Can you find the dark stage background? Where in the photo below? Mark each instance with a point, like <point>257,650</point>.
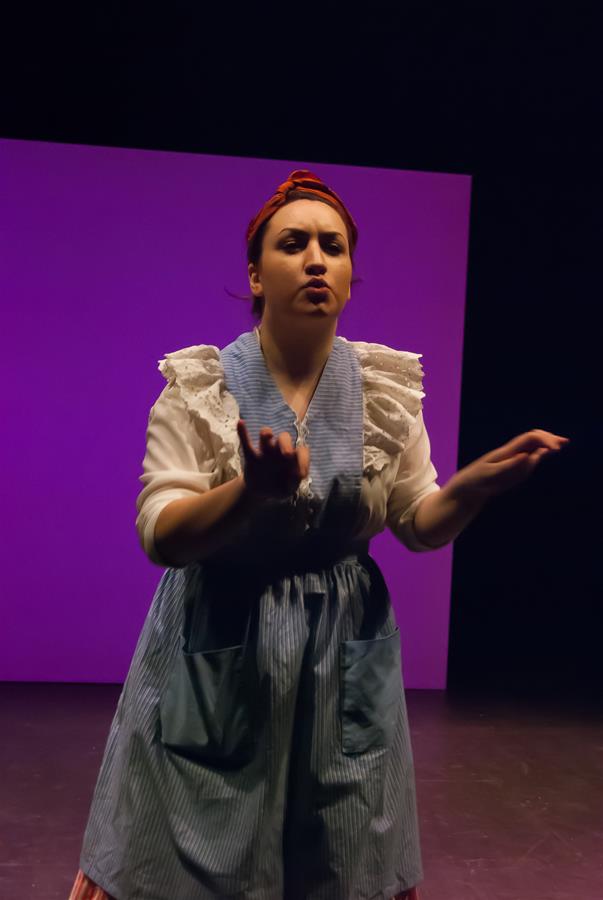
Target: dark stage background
<point>511,97</point>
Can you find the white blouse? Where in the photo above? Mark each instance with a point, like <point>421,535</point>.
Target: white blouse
<point>192,443</point>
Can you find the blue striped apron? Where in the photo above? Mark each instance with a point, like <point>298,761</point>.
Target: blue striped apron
<point>260,748</point>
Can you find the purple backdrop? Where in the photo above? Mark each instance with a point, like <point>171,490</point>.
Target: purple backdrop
<point>111,258</point>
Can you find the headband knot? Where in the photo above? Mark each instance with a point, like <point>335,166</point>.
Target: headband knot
<point>302,179</point>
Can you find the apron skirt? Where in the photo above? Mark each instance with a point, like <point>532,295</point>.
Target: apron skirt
<point>260,749</point>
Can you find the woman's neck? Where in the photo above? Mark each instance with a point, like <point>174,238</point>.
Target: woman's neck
<point>296,357</point>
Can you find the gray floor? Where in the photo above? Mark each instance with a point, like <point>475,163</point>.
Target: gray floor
<point>510,793</point>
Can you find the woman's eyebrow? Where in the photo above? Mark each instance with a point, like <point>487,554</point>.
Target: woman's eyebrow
<point>303,231</point>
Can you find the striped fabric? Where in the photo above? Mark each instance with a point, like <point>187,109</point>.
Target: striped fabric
<point>330,433</point>
<point>324,808</point>
<point>85,889</point>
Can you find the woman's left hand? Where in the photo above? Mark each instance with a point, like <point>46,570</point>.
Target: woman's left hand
<point>505,467</point>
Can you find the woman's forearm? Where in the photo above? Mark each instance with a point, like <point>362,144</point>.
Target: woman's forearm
<point>195,527</point>
<point>442,515</point>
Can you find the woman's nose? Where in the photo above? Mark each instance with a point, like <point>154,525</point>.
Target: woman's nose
<point>314,255</point>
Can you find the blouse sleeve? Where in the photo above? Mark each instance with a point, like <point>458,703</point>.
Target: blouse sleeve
<point>191,439</point>
<point>415,479</point>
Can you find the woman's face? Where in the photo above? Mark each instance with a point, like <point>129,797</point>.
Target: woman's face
<point>304,239</point>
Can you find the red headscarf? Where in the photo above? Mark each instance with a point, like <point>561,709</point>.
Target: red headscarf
<point>302,179</point>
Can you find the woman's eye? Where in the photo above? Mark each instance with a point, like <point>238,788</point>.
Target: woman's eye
<point>292,244</point>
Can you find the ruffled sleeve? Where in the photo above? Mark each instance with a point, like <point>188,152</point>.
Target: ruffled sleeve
<point>191,439</point>
<point>392,391</point>
<point>396,442</point>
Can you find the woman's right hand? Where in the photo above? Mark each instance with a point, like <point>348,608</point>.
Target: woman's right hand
<point>276,469</point>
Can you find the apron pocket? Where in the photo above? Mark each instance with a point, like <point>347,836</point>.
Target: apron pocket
<point>207,711</point>
<point>370,688</point>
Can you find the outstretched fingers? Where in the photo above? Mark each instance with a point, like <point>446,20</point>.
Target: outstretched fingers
<point>249,450</point>
<point>303,456</point>
<point>530,443</point>
<point>285,443</point>
<point>268,444</point>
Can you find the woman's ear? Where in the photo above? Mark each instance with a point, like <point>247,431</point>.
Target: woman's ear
<point>254,280</point>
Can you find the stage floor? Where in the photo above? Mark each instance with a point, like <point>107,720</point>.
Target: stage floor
<point>510,792</point>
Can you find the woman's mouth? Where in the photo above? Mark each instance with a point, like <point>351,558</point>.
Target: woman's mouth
<point>317,293</point>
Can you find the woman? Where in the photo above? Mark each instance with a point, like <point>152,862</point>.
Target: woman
<point>260,746</point>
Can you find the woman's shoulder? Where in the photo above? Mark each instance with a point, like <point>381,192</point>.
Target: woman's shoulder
<point>393,393</point>
<point>194,362</point>
<point>196,384</point>
<point>374,357</point>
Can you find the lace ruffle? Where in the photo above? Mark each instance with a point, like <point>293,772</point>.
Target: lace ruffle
<point>199,374</point>
<point>392,392</point>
